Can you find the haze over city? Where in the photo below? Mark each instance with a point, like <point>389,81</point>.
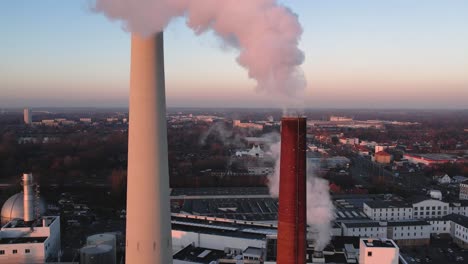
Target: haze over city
<point>233,131</point>
<point>359,54</point>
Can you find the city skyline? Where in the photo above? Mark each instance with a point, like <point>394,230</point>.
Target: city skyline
<point>359,54</point>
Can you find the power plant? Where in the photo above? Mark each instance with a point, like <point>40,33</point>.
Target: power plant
<point>148,214</point>
<point>148,230</point>
<point>292,195</point>
<point>27,236</point>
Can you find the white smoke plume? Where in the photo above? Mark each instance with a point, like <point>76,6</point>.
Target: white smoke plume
<point>274,179</point>
<point>265,33</point>
<point>320,209</point>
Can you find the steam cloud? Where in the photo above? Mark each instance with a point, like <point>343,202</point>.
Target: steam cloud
<point>221,132</point>
<point>265,33</point>
<point>320,209</point>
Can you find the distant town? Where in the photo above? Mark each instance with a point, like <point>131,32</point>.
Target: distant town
<point>400,175</point>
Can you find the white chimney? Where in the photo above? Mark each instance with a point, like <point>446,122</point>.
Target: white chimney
<point>148,231</point>
<point>28,197</point>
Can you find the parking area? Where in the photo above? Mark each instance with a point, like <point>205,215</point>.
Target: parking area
<point>441,250</point>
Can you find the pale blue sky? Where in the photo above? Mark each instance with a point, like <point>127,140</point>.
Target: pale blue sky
<point>367,53</point>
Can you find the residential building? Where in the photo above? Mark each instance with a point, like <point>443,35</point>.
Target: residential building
<point>444,179</point>
<point>463,195</point>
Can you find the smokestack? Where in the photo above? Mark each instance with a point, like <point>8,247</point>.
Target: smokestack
<point>28,197</point>
<point>148,231</point>
<point>292,194</point>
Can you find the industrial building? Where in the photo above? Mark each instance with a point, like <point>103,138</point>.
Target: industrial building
<point>29,237</point>
<point>213,240</point>
<point>36,242</point>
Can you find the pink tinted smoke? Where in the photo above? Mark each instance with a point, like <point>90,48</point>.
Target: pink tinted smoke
<point>265,33</point>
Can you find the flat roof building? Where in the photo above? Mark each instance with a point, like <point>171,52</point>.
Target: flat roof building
<point>378,251</point>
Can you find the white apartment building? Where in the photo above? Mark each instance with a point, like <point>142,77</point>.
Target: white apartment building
<point>365,229</point>
<point>460,208</point>
<point>388,211</point>
<point>458,229</point>
<point>440,226</point>
<point>409,232</point>
<point>423,209</point>
<point>430,209</point>
<point>463,195</point>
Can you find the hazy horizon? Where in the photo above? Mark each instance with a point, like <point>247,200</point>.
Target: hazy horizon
<point>363,54</point>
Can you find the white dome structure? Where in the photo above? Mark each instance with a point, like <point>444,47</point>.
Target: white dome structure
<point>14,208</point>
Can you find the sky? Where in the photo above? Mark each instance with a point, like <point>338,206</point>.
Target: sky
<point>359,54</point>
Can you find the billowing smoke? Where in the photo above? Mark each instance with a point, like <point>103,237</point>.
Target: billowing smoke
<point>320,209</point>
<point>274,178</point>
<point>265,33</point>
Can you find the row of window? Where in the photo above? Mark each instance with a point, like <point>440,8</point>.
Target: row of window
<point>398,214</point>
<point>427,213</point>
<point>401,234</point>
<point>365,229</point>
<point>408,227</point>
<point>15,251</point>
<point>392,209</point>
<point>465,237</point>
<point>428,208</point>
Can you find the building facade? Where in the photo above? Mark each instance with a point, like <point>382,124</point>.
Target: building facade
<point>20,243</point>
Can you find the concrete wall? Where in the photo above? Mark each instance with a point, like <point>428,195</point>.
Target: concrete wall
<point>181,239</point>
<point>379,255</point>
<point>36,253</point>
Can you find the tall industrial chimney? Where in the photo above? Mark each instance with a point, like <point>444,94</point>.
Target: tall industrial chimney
<point>28,197</point>
<point>291,245</point>
<point>148,231</point>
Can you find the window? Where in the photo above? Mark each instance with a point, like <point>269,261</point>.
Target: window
<point>427,207</point>
<point>27,251</point>
<point>433,207</point>
<point>369,254</point>
<point>15,251</point>
<point>2,252</point>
